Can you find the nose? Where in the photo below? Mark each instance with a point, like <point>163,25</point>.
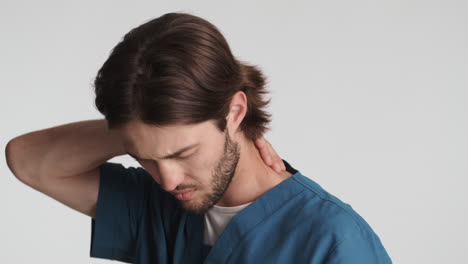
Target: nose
<point>170,176</point>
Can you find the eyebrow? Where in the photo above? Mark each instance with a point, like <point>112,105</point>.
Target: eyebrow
<point>170,156</point>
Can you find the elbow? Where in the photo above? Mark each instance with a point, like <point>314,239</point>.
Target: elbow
<point>11,154</point>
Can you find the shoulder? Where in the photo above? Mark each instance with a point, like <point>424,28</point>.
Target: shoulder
<point>330,213</point>
<point>330,219</point>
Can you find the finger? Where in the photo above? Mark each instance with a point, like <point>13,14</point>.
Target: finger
<point>261,145</point>
<point>276,160</point>
<point>277,167</point>
<point>266,156</point>
<point>260,142</point>
<point>275,157</point>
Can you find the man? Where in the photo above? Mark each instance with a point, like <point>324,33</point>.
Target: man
<point>175,98</point>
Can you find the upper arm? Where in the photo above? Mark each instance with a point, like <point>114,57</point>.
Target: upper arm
<point>79,192</point>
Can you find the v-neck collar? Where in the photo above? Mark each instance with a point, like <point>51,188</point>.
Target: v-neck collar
<point>239,225</point>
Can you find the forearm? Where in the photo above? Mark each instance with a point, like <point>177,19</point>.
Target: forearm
<point>64,150</point>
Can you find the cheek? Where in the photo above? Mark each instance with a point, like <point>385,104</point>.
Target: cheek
<point>197,167</point>
<point>200,168</point>
<point>197,163</point>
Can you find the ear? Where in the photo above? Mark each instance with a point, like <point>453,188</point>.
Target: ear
<point>237,111</point>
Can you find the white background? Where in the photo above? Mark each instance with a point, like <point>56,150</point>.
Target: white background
<point>369,99</point>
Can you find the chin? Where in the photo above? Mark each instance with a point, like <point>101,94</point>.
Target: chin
<point>193,208</point>
<point>196,205</point>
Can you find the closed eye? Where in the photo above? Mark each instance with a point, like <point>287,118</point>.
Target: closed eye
<point>176,158</point>
<point>183,158</point>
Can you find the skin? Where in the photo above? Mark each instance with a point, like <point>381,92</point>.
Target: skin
<point>224,167</point>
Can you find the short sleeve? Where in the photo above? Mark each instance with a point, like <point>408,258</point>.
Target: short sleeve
<point>121,201</point>
<point>359,250</point>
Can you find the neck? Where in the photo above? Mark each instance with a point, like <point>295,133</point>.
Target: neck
<point>252,178</point>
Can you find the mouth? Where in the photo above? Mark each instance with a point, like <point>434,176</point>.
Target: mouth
<point>185,195</point>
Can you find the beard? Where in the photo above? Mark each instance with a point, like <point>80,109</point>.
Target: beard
<point>221,177</point>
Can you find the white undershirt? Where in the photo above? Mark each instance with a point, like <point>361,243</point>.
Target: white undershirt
<point>216,219</point>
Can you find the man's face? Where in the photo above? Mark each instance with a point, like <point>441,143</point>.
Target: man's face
<point>207,168</point>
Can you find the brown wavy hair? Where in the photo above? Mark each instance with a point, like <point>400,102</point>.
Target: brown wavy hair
<point>178,69</point>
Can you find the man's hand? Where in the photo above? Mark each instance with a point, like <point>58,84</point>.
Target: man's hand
<point>269,155</point>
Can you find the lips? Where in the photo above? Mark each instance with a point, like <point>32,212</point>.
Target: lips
<point>185,195</point>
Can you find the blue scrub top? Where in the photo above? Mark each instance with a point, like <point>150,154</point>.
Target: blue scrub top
<point>296,221</point>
